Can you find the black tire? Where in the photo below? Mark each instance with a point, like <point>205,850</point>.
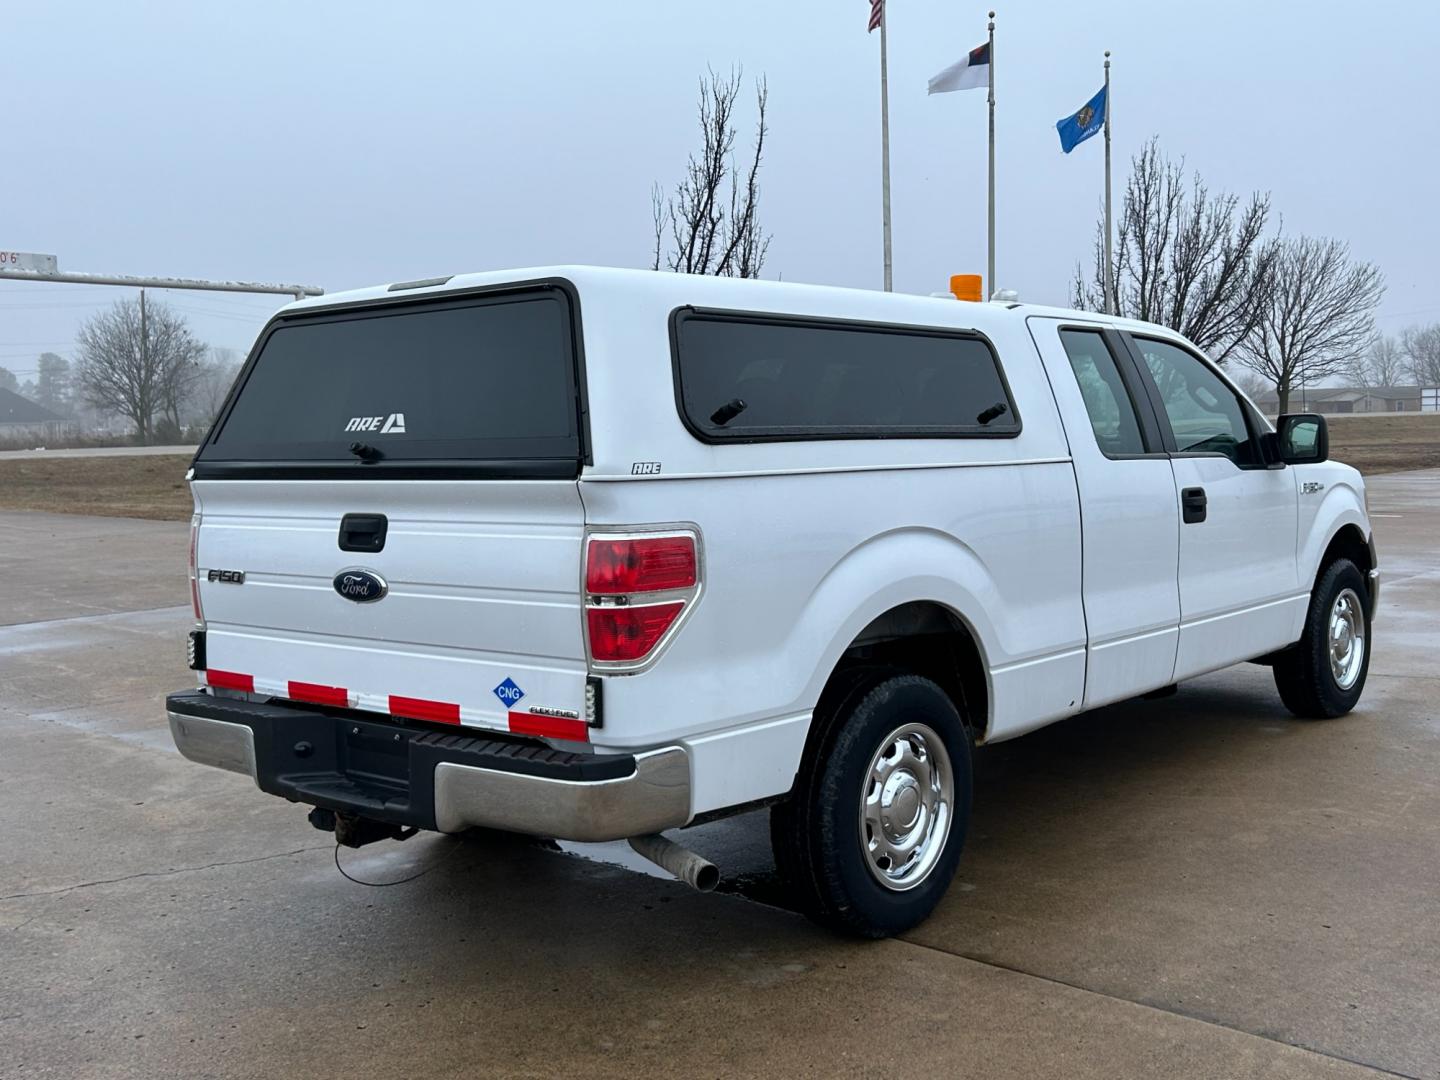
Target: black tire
<point>1304,674</point>
<point>817,834</point>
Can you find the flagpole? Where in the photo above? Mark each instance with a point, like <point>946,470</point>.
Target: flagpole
<point>1109,268</point>
<point>990,263</point>
<point>885,147</point>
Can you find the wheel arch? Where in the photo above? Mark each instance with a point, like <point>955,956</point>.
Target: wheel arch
<point>919,637</point>
<point>1349,541</point>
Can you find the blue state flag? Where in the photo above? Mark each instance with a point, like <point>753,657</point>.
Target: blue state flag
<point>1079,126</point>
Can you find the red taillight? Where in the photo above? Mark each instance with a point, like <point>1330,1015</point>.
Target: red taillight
<point>648,564</point>
<point>194,569</point>
<point>637,589</point>
<point>625,634</point>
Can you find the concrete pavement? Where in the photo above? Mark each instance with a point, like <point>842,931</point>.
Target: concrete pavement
<point>1197,886</point>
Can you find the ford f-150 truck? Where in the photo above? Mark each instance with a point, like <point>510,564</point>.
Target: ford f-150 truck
<point>592,554</point>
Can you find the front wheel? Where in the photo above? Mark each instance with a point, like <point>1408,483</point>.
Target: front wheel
<point>870,837</point>
<point>1323,674</point>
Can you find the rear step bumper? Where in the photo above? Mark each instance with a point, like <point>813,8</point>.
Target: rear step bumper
<point>433,780</point>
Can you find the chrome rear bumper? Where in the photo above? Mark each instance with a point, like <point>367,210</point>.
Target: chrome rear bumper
<point>654,797</point>
<point>437,780</point>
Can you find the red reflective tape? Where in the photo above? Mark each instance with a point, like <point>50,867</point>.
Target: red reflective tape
<point>320,695</point>
<point>549,727</point>
<point>230,680</point>
<point>414,708</point>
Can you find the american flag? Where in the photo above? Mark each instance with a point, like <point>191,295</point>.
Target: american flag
<point>877,13</point>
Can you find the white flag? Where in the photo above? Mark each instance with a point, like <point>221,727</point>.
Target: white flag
<point>969,74</point>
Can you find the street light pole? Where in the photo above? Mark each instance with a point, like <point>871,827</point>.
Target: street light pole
<point>299,292</point>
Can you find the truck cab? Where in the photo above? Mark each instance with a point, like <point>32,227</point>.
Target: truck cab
<point>595,554</point>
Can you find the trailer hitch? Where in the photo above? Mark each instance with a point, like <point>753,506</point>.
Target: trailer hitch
<point>353,831</point>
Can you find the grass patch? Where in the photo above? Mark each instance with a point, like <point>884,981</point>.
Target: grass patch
<point>137,486</point>
<point>1386,442</point>
<point>154,486</point>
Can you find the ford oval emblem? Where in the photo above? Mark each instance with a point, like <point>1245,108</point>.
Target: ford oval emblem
<point>362,586</point>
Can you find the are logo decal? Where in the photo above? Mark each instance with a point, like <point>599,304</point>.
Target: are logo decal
<point>508,692</point>
<point>645,468</point>
<point>394,424</point>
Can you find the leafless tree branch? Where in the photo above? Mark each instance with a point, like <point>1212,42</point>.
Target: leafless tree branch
<point>1421,347</point>
<point>1191,260</point>
<point>141,380</point>
<point>1317,316</point>
<point>1382,364</point>
<point>710,224</point>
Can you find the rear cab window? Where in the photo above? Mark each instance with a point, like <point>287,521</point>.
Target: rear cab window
<point>484,385</point>
<point>758,378</point>
<point>1112,412</point>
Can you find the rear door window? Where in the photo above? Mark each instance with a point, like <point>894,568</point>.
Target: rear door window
<point>756,378</point>
<point>483,379</point>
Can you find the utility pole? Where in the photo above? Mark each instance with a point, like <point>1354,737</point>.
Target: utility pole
<point>144,355</point>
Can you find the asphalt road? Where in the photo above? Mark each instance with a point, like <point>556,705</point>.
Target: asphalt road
<point>1197,886</point>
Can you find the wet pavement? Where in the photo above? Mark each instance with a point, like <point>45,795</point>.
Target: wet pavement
<point>1197,886</point>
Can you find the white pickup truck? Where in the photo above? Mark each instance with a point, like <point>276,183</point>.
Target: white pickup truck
<point>592,554</point>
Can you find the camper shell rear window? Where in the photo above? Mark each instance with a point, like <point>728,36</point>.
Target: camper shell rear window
<point>750,377</point>
<point>485,385</point>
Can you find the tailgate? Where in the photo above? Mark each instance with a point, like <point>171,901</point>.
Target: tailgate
<point>454,422</point>
<point>482,616</point>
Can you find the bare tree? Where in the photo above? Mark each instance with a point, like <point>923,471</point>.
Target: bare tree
<point>216,374</point>
<point>1254,386</point>
<point>138,376</point>
<point>710,224</point>
<point>1188,259</point>
<point>1317,318</point>
<point>1382,364</point>
<point>1421,346</point>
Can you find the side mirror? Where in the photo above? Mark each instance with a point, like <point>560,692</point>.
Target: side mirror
<point>1303,437</point>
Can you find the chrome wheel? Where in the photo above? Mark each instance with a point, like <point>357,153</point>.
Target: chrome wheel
<point>906,806</point>
<point>1347,639</point>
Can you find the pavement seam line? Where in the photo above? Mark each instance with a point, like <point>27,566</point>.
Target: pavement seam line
<point>94,617</point>
<point>1381,1069</point>
<point>161,873</point>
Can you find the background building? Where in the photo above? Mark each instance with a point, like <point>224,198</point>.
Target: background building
<point>1347,399</point>
<point>21,418</point>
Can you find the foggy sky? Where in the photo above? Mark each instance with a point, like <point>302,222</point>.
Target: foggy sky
<point>351,144</point>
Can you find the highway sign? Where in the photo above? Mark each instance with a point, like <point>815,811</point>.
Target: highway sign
<point>28,260</point>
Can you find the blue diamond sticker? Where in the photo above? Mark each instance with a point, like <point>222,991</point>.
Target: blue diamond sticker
<point>508,692</point>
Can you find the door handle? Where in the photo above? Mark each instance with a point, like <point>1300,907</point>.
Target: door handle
<point>1192,505</point>
<point>363,532</point>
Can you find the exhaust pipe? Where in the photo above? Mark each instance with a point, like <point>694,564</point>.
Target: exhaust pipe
<point>698,873</point>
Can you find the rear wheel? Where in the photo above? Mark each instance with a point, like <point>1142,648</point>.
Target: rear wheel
<point>1323,674</point>
<point>870,837</point>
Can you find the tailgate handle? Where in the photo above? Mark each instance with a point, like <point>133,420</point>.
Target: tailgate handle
<point>363,532</point>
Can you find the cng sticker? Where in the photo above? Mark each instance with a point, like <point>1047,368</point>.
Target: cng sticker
<point>508,692</point>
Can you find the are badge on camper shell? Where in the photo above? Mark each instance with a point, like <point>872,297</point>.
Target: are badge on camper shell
<point>361,586</point>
